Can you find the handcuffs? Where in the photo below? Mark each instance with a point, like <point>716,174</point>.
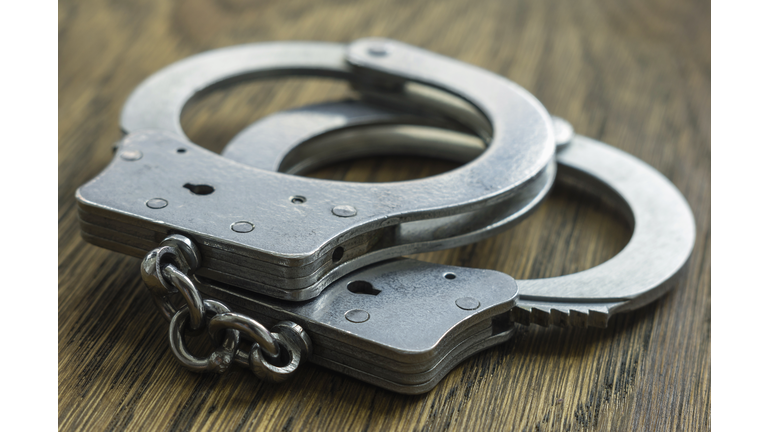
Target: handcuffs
<point>279,269</point>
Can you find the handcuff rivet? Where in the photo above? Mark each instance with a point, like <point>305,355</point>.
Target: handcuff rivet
<point>242,227</point>
<point>131,155</point>
<point>157,203</point>
<point>378,50</point>
<point>468,303</point>
<point>344,211</point>
<point>357,316</point>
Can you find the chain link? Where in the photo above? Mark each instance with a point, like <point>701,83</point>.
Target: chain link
<point>274,356</point>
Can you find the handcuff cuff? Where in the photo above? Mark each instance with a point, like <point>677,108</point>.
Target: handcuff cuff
<point>318,261</point>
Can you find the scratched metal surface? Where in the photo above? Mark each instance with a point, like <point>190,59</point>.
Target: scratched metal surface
<point>635,74</point>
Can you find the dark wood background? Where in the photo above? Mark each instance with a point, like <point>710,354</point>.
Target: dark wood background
<point>633,73</point>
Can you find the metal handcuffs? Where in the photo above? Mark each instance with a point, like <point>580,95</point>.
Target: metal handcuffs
<point>265,242</point>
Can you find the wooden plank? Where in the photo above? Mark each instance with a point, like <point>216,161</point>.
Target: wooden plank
<point>635,74</point>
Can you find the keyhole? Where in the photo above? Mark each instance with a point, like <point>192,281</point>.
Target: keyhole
<point>362,287</point>
<point>202,189</point>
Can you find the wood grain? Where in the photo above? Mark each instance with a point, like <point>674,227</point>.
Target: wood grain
<point>633,73</point>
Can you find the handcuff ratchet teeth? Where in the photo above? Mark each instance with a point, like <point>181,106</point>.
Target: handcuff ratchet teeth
<point>239,229</point>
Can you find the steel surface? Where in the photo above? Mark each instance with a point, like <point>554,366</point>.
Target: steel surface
<point>663,225</point>
<point>290,252</point>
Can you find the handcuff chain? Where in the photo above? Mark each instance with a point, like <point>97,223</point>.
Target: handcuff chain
<point>273,356</point>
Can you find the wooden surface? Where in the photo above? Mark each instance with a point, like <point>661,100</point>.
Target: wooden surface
<point>635,74</point>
